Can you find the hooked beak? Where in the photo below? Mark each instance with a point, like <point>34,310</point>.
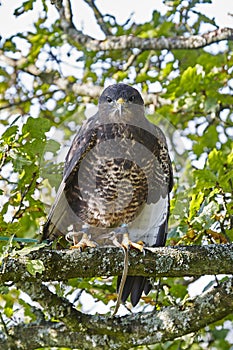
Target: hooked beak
<point>120,102</point>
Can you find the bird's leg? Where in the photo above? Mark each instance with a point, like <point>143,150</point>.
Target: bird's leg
<point>123,277</point>
<point>125,244</point>
<point>84,242</point>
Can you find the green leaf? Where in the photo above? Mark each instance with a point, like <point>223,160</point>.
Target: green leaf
<point>210,137</point>
<point>214,159</point>
<point>35,266</point>
<point>210,104</point>
<point>195,204</point>
<point>205,178</point>
<point>36,127</point>
<point>27,250</point>
<point>190,80</point>
<point>8,311</point>
<point>12,130</point>
<point>52,146</point>
<point>26,6</point>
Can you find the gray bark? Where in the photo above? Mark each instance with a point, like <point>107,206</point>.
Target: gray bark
<point>126,42</point>
<point>155,262</point>
<point>77,330</point>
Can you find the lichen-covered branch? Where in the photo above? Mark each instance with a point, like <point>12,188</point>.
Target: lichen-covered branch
<point>129,41</point>
<point>47,334</point>
<point>107,261</point>
<point>104,332</point>
<point>126,42</point>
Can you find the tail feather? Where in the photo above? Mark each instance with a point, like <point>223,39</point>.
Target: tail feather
<point>60,217</point>
<point>50,231</point>
<point>134,286</point>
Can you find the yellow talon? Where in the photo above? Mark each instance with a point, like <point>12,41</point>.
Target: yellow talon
<point>83,243</point>
<point>126,243</point>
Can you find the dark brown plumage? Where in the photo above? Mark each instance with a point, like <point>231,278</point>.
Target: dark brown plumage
<point>117,176</point>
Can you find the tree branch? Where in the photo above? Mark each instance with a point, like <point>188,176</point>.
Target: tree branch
<point>104,332</point>
<point>156,262</point>
<point>99,332</point>
<point>87,90</point>
<point>98,16</point>
<point>47,334</point>
<point>129,41</point>
<point>125,42</point>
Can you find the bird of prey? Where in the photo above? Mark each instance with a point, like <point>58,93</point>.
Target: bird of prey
<point>116,182</point>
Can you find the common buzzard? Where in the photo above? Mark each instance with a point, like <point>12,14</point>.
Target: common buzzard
<point>116,182</point>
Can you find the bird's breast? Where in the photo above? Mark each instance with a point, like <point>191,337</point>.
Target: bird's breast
<point>113,193</point>
<point>115,178</point>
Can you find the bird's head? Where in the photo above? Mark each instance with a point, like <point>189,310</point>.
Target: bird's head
<point>120,102</point>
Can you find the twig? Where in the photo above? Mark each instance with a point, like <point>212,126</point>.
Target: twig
<point>99,17</point>
<point>23,197</point>
<point>4,324</point>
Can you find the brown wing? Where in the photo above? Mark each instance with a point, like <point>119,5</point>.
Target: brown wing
<point>61,215</point>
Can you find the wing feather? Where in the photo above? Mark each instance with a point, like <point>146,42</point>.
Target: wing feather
<point>61,215</point>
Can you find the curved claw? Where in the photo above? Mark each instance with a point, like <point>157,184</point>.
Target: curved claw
<point>83,243</point>
<point>127,243</point>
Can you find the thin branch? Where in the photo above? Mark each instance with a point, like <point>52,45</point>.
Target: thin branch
<point>65,12</point>
<point>57,3</point>
<point>58,308</point>
<point>63,84</point>
<point>23,194</point>
<point>89,90</point>
<point>156,262</point>
<point>130,61</point>
<point>18,103</point>
<point>68,12</point>
<point>99,17</point>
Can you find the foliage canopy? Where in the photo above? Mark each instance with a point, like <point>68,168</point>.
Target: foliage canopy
<point>52,75</point>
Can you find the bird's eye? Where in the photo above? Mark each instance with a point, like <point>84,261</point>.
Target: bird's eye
<point>132,98</point>
<point>109,100</point>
